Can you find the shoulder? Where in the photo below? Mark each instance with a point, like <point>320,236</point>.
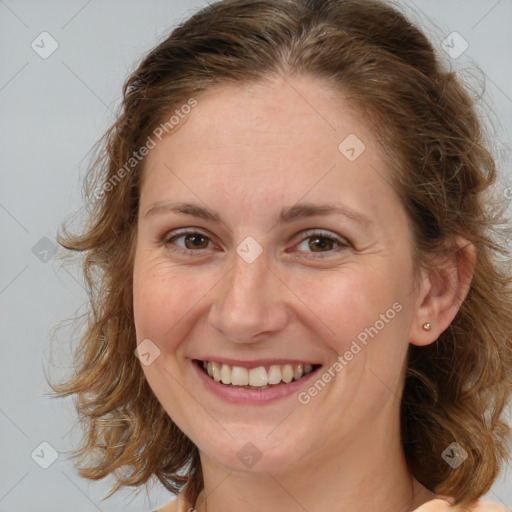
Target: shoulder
<point>437,505</point>
<point>177,505</point>
<point>441,505</point>
<point>489,506</point>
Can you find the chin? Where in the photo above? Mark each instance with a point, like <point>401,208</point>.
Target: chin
<point>254,452</point>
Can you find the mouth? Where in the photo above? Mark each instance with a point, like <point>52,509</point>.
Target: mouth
<point>258,378</point>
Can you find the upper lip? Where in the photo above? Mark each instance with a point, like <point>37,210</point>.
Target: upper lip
<point>255,363</point>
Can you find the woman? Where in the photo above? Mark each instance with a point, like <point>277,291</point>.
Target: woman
<point>297,297</point>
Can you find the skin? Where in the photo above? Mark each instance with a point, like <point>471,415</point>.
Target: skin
<point>246,152</point>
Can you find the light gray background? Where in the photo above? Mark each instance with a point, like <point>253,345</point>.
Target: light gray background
<point>52,112</point>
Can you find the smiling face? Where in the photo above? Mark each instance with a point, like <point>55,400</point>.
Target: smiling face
<point>262,279</point>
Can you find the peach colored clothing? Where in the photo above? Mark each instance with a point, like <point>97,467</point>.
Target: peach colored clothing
<point>437,505</point>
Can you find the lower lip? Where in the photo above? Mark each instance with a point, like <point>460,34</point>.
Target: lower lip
<point>252,396</point>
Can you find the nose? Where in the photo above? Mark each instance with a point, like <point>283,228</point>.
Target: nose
<point>250,304</point>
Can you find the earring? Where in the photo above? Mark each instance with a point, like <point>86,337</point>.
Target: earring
<point>427,326</point>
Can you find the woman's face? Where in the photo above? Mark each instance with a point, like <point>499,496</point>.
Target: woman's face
<point>269,276</point>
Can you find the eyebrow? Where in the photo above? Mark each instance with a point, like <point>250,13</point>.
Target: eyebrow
<point>287,215</point>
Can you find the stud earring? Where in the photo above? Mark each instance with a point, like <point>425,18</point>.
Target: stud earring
<point>427,326</point>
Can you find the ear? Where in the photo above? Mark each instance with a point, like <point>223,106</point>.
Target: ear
<point>442,291</point>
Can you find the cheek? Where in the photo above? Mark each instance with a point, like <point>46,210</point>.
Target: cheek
<point>165,300</point>
<point>360,315</point>
<point>344,304</point>
<point>374,323</point>
<point>155,299</point>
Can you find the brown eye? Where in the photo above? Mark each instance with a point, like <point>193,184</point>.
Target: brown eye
<point>192,241</point>
<point>195,241</point>
<point>322,243</point>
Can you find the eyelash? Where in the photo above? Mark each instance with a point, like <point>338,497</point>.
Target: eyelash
<point>343,243</point>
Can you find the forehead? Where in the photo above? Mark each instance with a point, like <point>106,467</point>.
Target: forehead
<point>265,142</point>
<point>277,112</point>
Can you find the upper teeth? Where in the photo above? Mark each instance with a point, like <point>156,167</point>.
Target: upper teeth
<point>257,377</point>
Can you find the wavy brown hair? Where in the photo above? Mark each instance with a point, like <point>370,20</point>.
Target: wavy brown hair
<point>456,389</point>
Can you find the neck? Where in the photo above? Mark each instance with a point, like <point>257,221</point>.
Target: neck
<point>367,473</point>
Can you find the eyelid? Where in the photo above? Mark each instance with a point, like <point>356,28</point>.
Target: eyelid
<point>304,235</point>
<point>174,234</point>
<point>324,233</point>
<point>342,242</point>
